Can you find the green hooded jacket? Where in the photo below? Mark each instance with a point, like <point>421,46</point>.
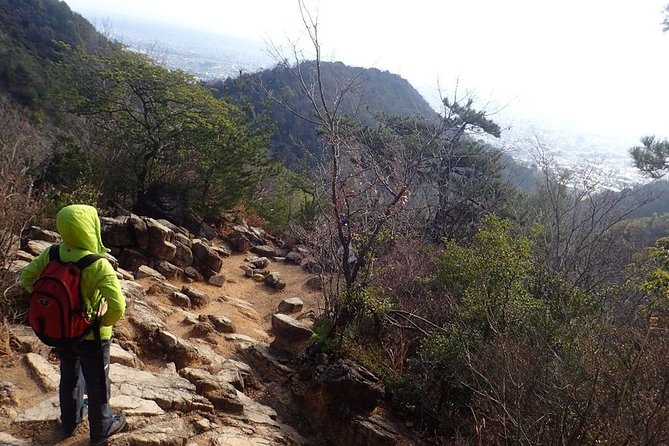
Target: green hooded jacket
<point>79,226</point>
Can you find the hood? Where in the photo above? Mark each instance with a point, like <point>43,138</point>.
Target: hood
<point>79,226</point>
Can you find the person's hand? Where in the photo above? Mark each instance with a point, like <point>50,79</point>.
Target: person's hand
<point>102,309</point>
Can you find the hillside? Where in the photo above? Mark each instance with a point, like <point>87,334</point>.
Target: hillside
<point>375,91</point>
<point>31,34</point>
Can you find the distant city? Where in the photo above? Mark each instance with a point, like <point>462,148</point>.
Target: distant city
<point>604,159</point>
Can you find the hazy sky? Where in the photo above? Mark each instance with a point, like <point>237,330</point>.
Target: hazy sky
<point>599,65</point>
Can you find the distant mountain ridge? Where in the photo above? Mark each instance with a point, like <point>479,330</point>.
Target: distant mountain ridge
<point>377,92</point>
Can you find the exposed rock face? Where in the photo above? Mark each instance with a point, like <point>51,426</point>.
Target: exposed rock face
<point>288,329</point>
<point>352,383</point>
<point>340,397</point>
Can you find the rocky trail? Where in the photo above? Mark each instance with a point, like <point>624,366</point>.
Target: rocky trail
<point>211,356</point>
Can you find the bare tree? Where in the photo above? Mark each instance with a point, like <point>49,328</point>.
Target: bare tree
<point>582,238</point>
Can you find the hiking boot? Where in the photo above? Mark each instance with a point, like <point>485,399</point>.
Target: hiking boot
<point>117,426</point>
<point>83,413</point>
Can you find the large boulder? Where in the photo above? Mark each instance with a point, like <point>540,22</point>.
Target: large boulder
<point>183,256</point>
<point>275,280</point>
<point>287,329</point>
<point>131,259</point>
<point>264,250</point>
<point>36,233</point>
<point>206,256</point>
<point>239,241</point>
<point>197,298</point>
<point>199,227</point>
<point>160,245</point>
<point>116,232</point>
<point>351,384</point>
<point>291,305</point>
<point>139,231</point>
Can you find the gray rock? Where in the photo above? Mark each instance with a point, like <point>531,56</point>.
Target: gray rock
<point>215,388</point>
<point>222,251</point>
<point>240,339</point>
<point>222,323</point>
<point>270,364</point>
<point>46,374</point>
<point>286,328</point>
<point>135,406</point>
<point>252,234</point>
<point>120,356</point>
<point>47,410</point>
<point>264,250</point>
<point>37,233</point>
<point>346,381</point>
<point>197,299</point>
<point>275,280</point>
<point>167,269</point>
<point>172,432</point>
<point>239,242</point>
<point>169,390</point>
<point>292,305</point>
<point>139,231</point>
<point>180,299</point>
<point>193,274</point>
<point>7,394</point>
<point>116,232</point>
<point>260,262</point>
<point>146,271</point>
<point>217,280</point>
<point>124,275</point>
<point>160,236</point>
<point>183,256</point>
<point>182,238</point>
<point>35,247</point>
<point>131,259</point>
<point>8,440</point>
<point>206,256</point>
<point>294,257</point>
<point>161,287</point>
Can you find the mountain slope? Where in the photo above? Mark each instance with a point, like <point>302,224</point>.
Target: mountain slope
<point>374,91</point>
<point>31,35</point>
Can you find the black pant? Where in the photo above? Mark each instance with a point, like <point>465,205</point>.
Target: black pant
<point>79,365</point>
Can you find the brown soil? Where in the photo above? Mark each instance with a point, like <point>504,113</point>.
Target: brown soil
<point>264,300</point>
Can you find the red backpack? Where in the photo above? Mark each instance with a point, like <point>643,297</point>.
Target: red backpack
<point>56,311</point>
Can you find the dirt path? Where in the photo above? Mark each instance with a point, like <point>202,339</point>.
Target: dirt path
<point>255,323</point>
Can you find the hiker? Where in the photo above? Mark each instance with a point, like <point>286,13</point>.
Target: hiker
<point>86,361</point>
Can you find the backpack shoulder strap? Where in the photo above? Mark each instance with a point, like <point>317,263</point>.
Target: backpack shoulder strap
<point>87,260</point>
<point>54,252</point>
